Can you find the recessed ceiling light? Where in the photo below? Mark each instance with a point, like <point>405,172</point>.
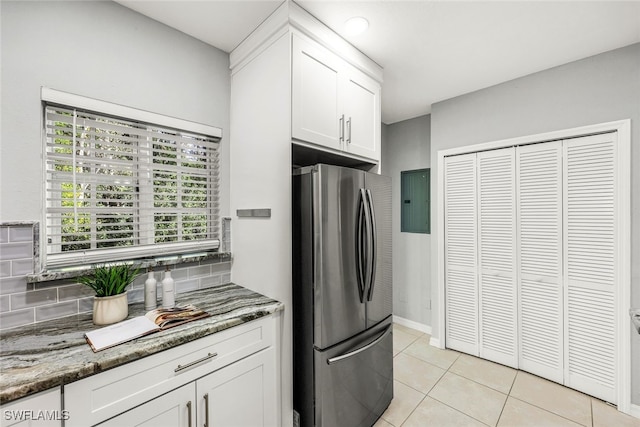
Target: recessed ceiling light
<point>356,25</point>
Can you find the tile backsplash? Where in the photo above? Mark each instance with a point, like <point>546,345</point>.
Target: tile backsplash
<point>23,303</point>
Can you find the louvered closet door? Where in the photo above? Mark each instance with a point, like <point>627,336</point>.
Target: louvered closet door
<point>461,287</point>
<point>540,307</point>
<point>590,264</point>
<point>497,256</point>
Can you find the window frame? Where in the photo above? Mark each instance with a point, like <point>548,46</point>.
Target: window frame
<point>51,97</point>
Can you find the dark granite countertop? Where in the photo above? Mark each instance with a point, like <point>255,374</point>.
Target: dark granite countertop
<point>37,357</point>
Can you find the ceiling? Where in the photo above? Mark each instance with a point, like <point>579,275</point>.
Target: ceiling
<point>430,50</point>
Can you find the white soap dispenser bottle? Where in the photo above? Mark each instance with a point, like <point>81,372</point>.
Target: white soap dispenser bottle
<point>150,291</point>
<point>168,294</point>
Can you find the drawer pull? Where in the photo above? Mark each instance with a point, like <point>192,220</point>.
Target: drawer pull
<point>195,362</point>
<point>189,412</point>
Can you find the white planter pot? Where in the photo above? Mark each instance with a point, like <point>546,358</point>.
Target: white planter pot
<point>108,310</point>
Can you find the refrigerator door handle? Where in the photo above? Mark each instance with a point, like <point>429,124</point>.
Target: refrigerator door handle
<point>366,241</point>
<point>373,244</point>
<point>361,349</point>
<point>360,245</point>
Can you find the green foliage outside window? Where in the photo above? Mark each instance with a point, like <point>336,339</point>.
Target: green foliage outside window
<point>96,194</point>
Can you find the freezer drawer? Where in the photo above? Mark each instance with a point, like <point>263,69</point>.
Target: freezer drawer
<point>354,380</point>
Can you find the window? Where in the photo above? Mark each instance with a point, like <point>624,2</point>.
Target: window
<point>121,189</point>
<point>416,201</point>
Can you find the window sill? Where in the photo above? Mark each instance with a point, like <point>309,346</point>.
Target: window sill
<point>161,261</point>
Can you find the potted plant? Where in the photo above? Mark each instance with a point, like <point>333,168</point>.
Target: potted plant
<point>109,282</point>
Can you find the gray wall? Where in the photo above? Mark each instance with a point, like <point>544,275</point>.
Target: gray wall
<point>407,147</point>
<point>100,50</point>
<point>598,89</point>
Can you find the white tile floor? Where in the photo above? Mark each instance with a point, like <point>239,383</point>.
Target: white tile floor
<point>444,388</point>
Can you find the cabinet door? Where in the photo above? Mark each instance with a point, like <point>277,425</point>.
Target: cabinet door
<point>316,112</point>
<point>362,114</point>
<point>174,409</point>
<point>39,410</point>
<point>243,394</point>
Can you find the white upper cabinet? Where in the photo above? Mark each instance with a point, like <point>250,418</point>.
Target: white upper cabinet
<point>334,105</point>
<point>316,110</point>
<point>335,90</point>
<point>362,114</point>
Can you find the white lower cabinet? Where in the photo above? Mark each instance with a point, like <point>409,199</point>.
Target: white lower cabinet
<point>174,409</point>
<point>239,395</point>
<point>226,379</point>
<point>40,410</point>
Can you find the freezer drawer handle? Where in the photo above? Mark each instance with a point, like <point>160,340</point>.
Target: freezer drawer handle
<point>361,349</point>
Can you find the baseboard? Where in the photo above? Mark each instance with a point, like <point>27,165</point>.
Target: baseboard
<point>634,410</point>
<point>411,324</point>
<point>435,342</point>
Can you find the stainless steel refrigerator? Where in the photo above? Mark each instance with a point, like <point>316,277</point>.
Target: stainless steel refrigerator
<point>342,296</point>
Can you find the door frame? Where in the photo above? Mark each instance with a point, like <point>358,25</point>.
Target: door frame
<point>623,195</point>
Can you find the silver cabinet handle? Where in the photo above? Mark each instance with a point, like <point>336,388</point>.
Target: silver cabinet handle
<point>189,412</point>
<point>349,131</point>
<point>361,349</point>
<point>206,410</point>
<point>195,362</point>
<point>341,124</point>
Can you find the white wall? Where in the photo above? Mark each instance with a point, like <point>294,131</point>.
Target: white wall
<point>598,89</point>
<point>406,147</point>
<point>100,50</point>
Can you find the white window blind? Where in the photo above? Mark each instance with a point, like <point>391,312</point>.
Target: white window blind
<point>123,189</point>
